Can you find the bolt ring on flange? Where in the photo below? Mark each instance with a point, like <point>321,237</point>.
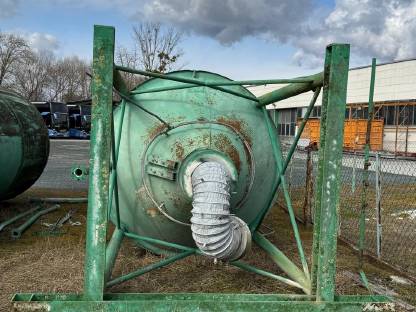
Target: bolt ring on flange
<point>166,131</point>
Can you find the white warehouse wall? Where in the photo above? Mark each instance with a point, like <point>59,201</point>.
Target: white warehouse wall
<point>394,81</point>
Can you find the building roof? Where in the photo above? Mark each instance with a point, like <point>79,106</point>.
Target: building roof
<point>395,81</point>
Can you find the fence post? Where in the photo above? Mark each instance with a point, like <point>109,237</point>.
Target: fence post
<point>364,197</point>
<point>308,188</point>
<point>378,205</point>
<point>353,171</point>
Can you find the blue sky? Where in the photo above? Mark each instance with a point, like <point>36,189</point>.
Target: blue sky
<point>286,52</point>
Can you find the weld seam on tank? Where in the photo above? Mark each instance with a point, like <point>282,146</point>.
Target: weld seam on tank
<point>216,232</point>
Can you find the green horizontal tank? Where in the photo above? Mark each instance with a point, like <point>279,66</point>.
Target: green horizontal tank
<point>200,124</point>
<point>24,145</point>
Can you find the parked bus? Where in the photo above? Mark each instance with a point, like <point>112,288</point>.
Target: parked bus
<point>54,114</point>
<point>80,115</point>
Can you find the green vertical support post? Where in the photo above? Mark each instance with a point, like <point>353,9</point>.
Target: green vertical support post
<point>100,151</point>
<point>364,192</point>
<point>330,163</point>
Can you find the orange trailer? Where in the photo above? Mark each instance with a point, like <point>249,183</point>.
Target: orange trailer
<point>354,133</point>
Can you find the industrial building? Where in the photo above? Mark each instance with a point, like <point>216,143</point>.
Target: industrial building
<point>394,99</point>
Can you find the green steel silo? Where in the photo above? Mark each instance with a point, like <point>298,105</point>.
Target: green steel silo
<point>158,162</point>
<point>24,145</point>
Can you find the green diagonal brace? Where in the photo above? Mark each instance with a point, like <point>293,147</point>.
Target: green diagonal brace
<point>279,163</point>
<point>283,262</point>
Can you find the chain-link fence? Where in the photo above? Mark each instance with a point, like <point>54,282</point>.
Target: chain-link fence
<point>391,202</point>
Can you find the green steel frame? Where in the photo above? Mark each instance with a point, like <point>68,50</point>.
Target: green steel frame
<point>318,286</point>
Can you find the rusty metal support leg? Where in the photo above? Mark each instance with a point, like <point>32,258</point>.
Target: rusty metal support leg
<point>100,151</point>
<point>330,162</point>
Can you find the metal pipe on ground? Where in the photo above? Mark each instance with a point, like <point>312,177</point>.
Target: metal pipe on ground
<point>17,217</point>
<point>63,200</point>
<point>17,232</point>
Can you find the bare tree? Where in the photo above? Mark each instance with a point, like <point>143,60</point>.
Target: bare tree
<point>30,78</point>
<point>13,49</point>
<point>77,82</point>
<point>57,81</point>
<point>68,80</point>
<point>158,46</point>
<point>84,69</point>
<point>41,76</point>
<point>127,58</point>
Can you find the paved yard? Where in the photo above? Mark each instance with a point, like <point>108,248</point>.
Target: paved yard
<point>62,156</point>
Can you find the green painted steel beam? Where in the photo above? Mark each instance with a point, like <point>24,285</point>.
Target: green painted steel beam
<point>197,302</point>
<point>159,242</point>
<point>38,297</point>
<point>275,142</point>
<point>149,268</point>
<point>330,163</point>
<point>112,250</point>
<point>184,80</point>
<point>291,90</point>
<point>283,262</point>
<point>226,83</point>
<point>262,215</point>
<point>300,129</point>
<point>119,84</point>
<point>100,151</point>
<point>250,268</point>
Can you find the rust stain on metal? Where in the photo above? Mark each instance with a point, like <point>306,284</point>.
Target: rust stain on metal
<point>152,212</point>
<point>206,139</point>
<point>155,130</point>
<point>31,306</point>
<point>224,144</point>
<point>191,141</point>
<point>237,125</point>
<point>179,150</point>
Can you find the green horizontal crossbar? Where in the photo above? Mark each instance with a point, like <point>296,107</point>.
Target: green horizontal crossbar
<point>195,302</point>
<point>224,83</point>
<point>185,80</point>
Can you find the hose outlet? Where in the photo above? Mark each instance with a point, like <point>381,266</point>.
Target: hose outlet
<point>216,232</point>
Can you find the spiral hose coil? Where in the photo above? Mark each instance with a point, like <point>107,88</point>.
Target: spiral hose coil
<point>216,232</point>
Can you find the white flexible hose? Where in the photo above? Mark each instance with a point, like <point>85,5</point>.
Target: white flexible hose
<point>216,232</point>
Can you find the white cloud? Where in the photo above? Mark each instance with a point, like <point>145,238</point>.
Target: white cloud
<point>229,21</point>
<point>39,42</point>
<point>375,28</point>
<point>42,42</point>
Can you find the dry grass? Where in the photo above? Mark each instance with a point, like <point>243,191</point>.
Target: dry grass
<point>41,263</point>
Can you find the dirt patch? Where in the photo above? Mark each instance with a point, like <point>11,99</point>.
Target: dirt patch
<point>54,263</point>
